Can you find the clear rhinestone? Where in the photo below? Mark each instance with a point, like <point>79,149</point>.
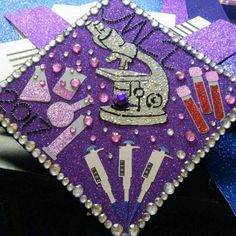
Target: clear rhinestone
<point>17,74</point>
<point>23,139</point>
<point>70,187</point>
<point>164,196</point>
<point>80,22</point>
<point>94,10</point>
<point>30,146</point>
<point>170,132</point>
<point>96,209</point>
<point>36,152</point>
<point>196,159</point>
<point>221,131</point>
<point>83,198</point>
<point>126,2</point>
<point>11,78</point>
<point>138,11</point>
<point>146,216</point>
<point>108,224</point>
<point>6,122</point>
<point>52,43</point>
<point>60,176</point>
<point>116,230</point>
<point>55,169</point>
<point>210,142</point>
<point>180,179</point>
<point>17,135</point>
<point>102,218</point>
<point>216,136</point>
<point>105,2</point>
<point>133,230</point>
<point>181,154</point>
<point>176,183</point>
<point>169,188</point>
<point>201,153</point>
<point>105,129</point>
<point>110,156</point>
<point>232,117</point>
<point>65,181</point>
<point>151,208</point>
<point>78,191</point>
<point>189,166</point>
<point>159,202</point>
<point>141,224</point>
<point>136,132</point>
<point>88,204</point>
<point>226,123</point>
<point>12,128</point>
<point>184,173</point>
<point>47,164</point>
<point>4,84</point>
<point>42,158</point>
<point>36,58</point>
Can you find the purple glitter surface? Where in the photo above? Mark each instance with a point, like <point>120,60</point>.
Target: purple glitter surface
<point>39,24</point>
<point>177,7</point>
<point>71,158</point>
<point>223,44</point>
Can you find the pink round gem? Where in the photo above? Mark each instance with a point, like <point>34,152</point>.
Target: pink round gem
<point>116,137</point>
<point>230,99</point>
<point>88,121</point>
<point>76,48</point>
<point>42,83</point>
<point>74,35</point>
<point>93,138</point>
<point>190,136</point>
<point>181,116</point>
<point>51,55</point>
<point>56,67</point>
<point>79,68</point>
<point>78,62</point>
<point>62,83</point>
<point>75,83</point>
<point>152,138</point>
<point>72,130</point>
<point>180,75</point>
<point>42,66</point>
<point>103,97</point>
<point>103,85</point>
<point>94,62</point>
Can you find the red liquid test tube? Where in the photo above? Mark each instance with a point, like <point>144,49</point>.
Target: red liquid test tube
<point>196,74</point>
<point>185,94</point>
<point>212,78</point>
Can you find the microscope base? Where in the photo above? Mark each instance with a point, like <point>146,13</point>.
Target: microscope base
<point>131,118</point>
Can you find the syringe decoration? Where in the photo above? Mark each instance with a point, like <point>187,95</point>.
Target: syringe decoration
<point>149,174</point>
<point>99,175</point>
<point>125,170</point>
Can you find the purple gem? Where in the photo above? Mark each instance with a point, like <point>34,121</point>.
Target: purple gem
<point>120,98</point>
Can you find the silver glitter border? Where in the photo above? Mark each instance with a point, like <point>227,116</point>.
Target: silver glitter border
<point>55,169</point>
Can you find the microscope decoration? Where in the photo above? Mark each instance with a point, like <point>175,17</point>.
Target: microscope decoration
<point>139,98</point>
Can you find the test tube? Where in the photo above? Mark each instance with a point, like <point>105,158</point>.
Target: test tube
<point>213,78</point>
<point>185,94</point>
<point>196,74</point>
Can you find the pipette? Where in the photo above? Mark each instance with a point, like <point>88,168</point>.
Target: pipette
<point>100,176</point>
<point>149,175</point>
<point>125,170</point>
